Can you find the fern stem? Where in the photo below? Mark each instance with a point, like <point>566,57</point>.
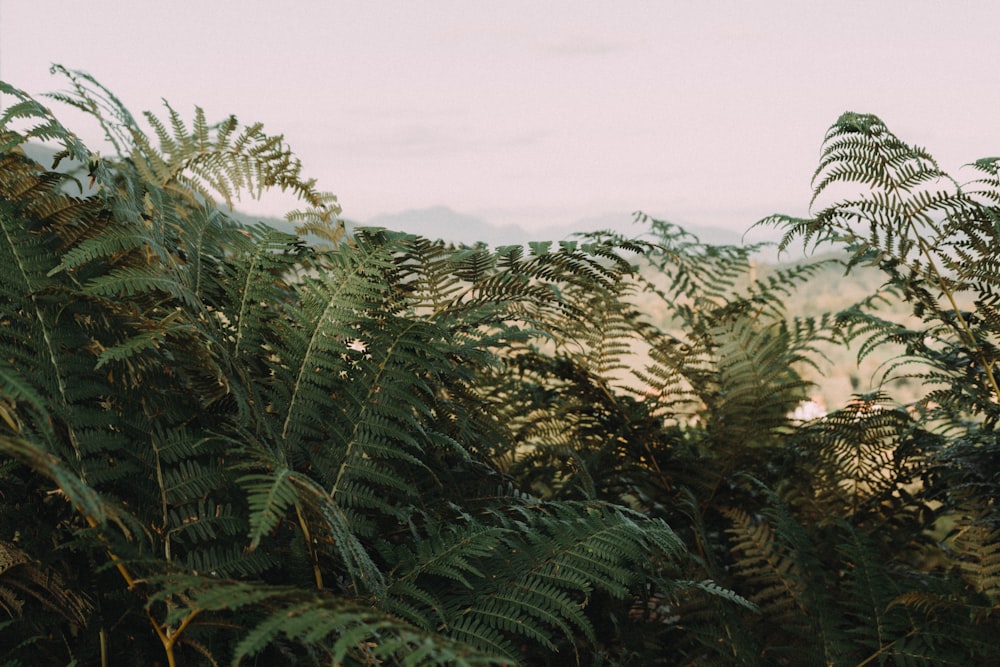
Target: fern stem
<point>885,648</point>
<point>307,536</point>
<point>102,639</point>
<point>163,499</point>
<point>119,565</point>
<point>173,636</point>
<point>168,638</point>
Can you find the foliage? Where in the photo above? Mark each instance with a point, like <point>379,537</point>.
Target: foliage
<point>223,445</point>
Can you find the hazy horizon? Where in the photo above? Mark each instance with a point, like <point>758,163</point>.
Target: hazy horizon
<point>537,114</point>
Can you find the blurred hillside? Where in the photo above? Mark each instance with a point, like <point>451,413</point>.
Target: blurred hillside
<point>829,291</point>
<point>840,375</point>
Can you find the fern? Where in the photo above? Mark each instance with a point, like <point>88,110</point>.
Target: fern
<point>778,583</point>
<point>895,475</point>
<point>863,455</point>
<point>225,444</point>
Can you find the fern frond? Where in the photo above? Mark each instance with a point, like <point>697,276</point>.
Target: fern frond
<point>80,495</point>
<point>977,550</point>
<point>788,582</point>
<point>30,331</point>
<point>343,629</point>
<point>270,497</point>
<point>23,579</point>
<point>16,389</point>
<point>759,388</point>
<point>776,579</point>
<point>862,454</point>
<point>569,558</point>
<point>331,306</point>
<point>91,97</point>
<point>451,553</point>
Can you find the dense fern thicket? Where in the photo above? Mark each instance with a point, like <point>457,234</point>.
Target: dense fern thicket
<point>220,444</point>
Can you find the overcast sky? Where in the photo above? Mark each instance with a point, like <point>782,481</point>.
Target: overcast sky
<point>540,112</point>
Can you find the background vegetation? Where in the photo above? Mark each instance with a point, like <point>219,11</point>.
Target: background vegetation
<point>222,444</point>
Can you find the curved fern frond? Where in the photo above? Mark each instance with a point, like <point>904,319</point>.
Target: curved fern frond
<point>343,630</point>
<point>23,580</point>
<point>861,455</point>
<point>202,160</point>
<point>79,494</point>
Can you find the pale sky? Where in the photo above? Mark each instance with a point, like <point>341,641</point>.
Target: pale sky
<point>538,112</point>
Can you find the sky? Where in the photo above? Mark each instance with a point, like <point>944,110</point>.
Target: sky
<point>539,114</point>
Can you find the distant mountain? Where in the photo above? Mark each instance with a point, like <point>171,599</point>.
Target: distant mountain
<point>40,153</point>
<point>445,224</point>
<point>441,222</point>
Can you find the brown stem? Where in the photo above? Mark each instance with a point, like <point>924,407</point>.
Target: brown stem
<point>168,638</point>
<point>317,573</point>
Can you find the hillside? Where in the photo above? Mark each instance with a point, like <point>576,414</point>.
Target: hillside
<point>829,292</point>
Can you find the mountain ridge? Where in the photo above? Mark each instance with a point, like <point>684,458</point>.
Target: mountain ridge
<point>441,222</point>
<point>444,223</point>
